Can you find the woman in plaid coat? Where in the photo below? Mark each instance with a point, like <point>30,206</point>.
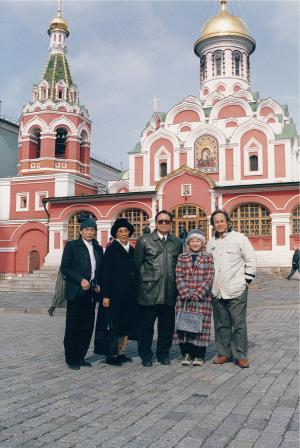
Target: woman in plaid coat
<point>194,276</point>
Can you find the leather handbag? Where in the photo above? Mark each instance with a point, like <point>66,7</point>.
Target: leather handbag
<point>106,340</point>
<point>189,321</point>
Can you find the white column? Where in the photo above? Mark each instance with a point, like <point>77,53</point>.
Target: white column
<point>282,220</point>
<point>53,258</point>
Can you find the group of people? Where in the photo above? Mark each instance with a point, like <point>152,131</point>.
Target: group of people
<point>156,281</point>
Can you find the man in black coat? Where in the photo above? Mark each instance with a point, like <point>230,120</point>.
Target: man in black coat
<point>81,267</point>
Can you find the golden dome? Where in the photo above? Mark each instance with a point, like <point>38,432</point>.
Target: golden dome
<point>224,24</point>
<point>59,22</point>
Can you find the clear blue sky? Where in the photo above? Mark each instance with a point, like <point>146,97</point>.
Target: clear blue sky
<point>123,53</point>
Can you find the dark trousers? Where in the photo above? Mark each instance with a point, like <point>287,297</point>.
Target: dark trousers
<point>80,319</point>
<point>165,316</point>
<point>293,270</point>
<point>194,351</point>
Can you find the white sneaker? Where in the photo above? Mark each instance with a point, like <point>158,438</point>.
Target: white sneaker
<point>186,360</point>
<point>198,362</point>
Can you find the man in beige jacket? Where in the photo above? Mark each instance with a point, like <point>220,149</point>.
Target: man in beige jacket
<point>235,267</point>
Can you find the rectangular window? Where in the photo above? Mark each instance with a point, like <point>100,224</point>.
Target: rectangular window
<point>22,202</point>
<point>39,196</point>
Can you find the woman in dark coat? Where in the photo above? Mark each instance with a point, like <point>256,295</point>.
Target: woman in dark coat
<point>119,289</point>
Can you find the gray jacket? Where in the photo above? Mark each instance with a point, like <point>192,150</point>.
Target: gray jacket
<point>156,263</point>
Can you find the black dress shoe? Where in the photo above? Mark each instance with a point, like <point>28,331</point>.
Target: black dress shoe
<point>124,358</point>
<point>74,366</point>
<point>164,361</point>
<point>113,361</point>
<point>51,311</point>
<point>147,363</point>
<point>85,363</point>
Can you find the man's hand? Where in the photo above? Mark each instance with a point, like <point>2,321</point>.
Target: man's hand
<point>85,284</point>
<point>97,289</point>
<point>106,302</point>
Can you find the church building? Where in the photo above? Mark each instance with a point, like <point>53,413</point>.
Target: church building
<point>226,148</point>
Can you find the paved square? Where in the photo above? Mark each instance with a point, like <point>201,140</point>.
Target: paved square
<point>44,404</point>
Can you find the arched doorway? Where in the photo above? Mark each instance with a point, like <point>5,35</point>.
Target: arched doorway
<point>33,261</point>
<point>74,224</point>
<point>190,216</point>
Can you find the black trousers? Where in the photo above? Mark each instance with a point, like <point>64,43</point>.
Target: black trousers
<point>80,319</point>
<point>193,350</point>
<point>165,316</point>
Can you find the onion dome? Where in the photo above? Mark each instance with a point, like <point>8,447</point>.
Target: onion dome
<point>224,24</point>
<point>58,23</point>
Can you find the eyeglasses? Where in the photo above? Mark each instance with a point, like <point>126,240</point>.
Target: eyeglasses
<point>163,221</point>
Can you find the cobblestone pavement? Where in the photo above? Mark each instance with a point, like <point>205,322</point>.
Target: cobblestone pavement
<point>44,404</point>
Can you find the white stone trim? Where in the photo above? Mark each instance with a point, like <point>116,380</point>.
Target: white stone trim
<point>158,156</point>
<point>257,150</point>
<point>38,195</point>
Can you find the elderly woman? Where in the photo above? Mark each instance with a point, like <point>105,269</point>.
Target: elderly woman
<point>119,288</point>
<point>194,276</point>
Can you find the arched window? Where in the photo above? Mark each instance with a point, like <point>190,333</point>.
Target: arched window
<point>253,160</point>
<point>189,216</point>
<point>36,137</point>
<point>138,219</point>
<point>60,143</point>
<point>163,169</point>
<point>74,224</point>
<point>237,63</point>
<point>296,221</point>
<point>203,68</point>
<point>251,219</point>
<point>218,63</point>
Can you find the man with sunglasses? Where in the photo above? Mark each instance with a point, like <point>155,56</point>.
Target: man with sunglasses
<point>156,255</point>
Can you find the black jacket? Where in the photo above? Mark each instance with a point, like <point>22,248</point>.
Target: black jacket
<point>76,265</point>
<point>120,285</point>
<point>296,259</point>
<point>156,263</point>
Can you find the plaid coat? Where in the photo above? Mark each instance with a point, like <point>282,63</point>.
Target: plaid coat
<point>194,285</point>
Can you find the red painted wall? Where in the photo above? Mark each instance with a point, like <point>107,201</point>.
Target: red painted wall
<point>229,164</point>
<point>138,171</point>
<point>200,192</point>
<point>280,170</point>
<point>262,139</point>
<point>153,150</point>
<point>280,235</point>
<point>231,111</point>
<point>186,115</point>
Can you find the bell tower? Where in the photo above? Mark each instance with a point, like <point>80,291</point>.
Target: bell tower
<point>55,128</point>
<point>224,48</point>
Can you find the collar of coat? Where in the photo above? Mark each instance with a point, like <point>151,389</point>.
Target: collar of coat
<point>94,242</point>
<point>169,236</point>
<point>187,257</point>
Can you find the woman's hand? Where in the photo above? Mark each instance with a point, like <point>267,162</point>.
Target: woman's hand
<point>106,302</point>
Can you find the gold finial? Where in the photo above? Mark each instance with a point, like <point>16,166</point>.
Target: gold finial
<point>58,8</point>
<point>223,5</point>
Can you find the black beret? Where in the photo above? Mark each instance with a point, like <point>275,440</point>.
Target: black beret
<point>121,222</point>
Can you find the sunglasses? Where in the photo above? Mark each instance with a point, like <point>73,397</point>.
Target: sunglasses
<point>163,221</point>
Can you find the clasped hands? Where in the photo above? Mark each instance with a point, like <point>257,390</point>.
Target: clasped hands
<point>85,285</point>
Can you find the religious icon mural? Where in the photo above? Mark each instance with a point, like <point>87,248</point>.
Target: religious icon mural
<point>206,154</point>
